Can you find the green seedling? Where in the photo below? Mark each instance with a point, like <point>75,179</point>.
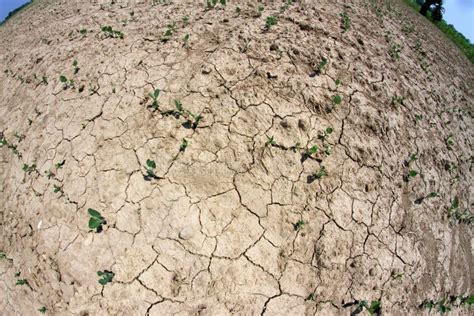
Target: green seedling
<point>312,151</point>
<point>211,4</point>
<point>223,2</point>
<point>49,174</point>
<point>296,147</point>
<point>20,137</point>
<point>429,196</point>
<point>150,168</point>
<point>186,40</point>
<point>413,157</point>
<point>67,83</point>
<point>271,141</point>
<point>450,142</point>
<point>321,173</point>
<point>3,255</point>
<point>320,67</point>
<point>238,10</point>
<point>155,105</point>
<point>325,134</point>
<point>184,145</point>
<point>109,32</point>
<point>270,21</point>
<point>179,106</point>
<point>374,307</point>
<point>170,29</point>
<point>327,149</point>
<point>17,274</point>
<point>195,120</point>
<point>446,304</point>
<point>398,99</point>
<point>458,216</point>
<point>185,20</point>
<point>96,220</point>
<point>74,65</point>
<point>42,310</point>
<point>336,99</point>
<point>83,32</point>
<point>345,21</point>
<point>396,275</point>
<point>29,169</point>
<point>21,282</point>
<point>57,188</point>
<point>394,51</point>
<point>418,117</point>
<point>59,165</point>
<point>299,225</point>
<point>338,82</point>
<point>411,174</point>
<point>105,276</point>
<point>44,80</point>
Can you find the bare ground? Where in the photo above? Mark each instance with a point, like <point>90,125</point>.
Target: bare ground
<point>234,223</point>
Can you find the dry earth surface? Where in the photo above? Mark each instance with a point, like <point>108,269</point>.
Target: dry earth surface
<point>241,221</point>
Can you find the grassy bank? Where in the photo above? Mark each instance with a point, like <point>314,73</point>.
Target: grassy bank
<point>17,10</point>
<point>456,37</point>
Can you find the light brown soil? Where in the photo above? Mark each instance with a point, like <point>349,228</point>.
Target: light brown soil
<point>215,234</point>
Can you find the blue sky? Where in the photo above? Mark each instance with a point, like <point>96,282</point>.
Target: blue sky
<point>459,13</point>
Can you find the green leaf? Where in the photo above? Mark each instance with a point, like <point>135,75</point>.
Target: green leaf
<point>338,82</point>
<point>374,307</point>
<point>94,213</point>
<point>313,150</point>
<point>74,63</point>
<point>156,93</point>
<point>150,164</point>
<point>62,79</point>
<point>179,105</point>
<point>21,282</point>
<point>470,300</point>
<point>94,223</point>
<point>412,173</point>
<point>106,276</point>
<point>432,194</point>
<point>337,99</point>
<point>329,130</point>
<point>42,310</point>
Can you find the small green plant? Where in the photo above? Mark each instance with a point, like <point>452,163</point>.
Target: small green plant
<point>428,196</point>
<point>345,21</point>
<point>394,51</point>
<point>83,32</point>
<point>312,151</point>
<point>418,117</point>
<point>193,119</point>
<point>109,32</point>
<point>59,165</point>
<point>29,168</point>
<point>184,145</point>
<point>211,4</point>
<point>326,133</point>
<point>238,10</point>
<point>21,282</point>
<point>170,30</point>
<point>398,99</point>
<point>67,83</point>
<point>75,66</point>
<point>155,105</point>
<point>185,20</point>
<point>3,255</point>
<point>327,149</point>
<point>296,147</point>
<point>338,82</point>
<point>413,157</point>
<point>321,173</point>
<point>412,174</point>
<point>375,307</point>
<point>446,304</point>
<point>450,142</point>
<point>320,66</point>
<point>336,99</point>
<point>96,221</point>
<point>270,142</point>
<point>299,225</point>
<point>49,174</point>
<point>270,21</point>
<point>150,168</point>
<point>458,216</point>
<point>57,188</point>
<point>186,40</point>
<point>19,136</point>
<point>105,276</point>
<point>42,310</point>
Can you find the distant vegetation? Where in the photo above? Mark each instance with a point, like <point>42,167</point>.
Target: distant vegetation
<point>460,40</point>
<point>12,13</point>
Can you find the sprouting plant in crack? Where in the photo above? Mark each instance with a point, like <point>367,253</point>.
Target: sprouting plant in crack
<point>193,120</point>
<point>184,145</point>
<point>270,21</point>
<point>186,40</point>
<point>109,32</point>
<point>411,174</point>
<point>345,21</point>
<point>318,69</point>
<point>336,99</point>
<point>42,310</point>
<point>459,216</point>
<point>28,168</point>
<point>375,307</point>
<point>398,99</point>
<point>428,196</point>
<point>446,304</point>
<point>326,133</point>
<point>57,188</point>
<point>170,30</point>
<point>150,169</point>
<point>67,83</point>
<point>105,276</point>
<point>450,141</point>
<point>49,174</point>
<point>317,175</point>
<point>155,105</point>
<point>270,141</point>
<point>394,51</point>
<point>299,225</point>
<point>75,66</point>
<point>96,221</point>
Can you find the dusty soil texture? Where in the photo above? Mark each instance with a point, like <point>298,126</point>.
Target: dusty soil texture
<point>249,218</point>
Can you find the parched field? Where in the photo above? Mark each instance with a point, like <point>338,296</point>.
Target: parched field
<point>271,158</point>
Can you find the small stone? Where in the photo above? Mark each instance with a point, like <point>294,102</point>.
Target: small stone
<point>186,233</point>
<point>285,124</point>
<point>303,124</point>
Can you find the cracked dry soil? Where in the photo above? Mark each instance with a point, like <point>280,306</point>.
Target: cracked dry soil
<point>235,223</point>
